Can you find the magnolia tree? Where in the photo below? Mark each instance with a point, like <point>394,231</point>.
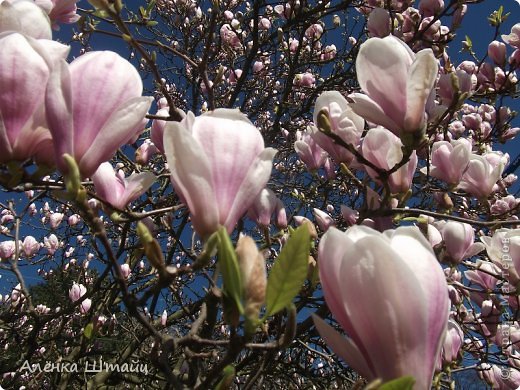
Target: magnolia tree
<point>302,194</point>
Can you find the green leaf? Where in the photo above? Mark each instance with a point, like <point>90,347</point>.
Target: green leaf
<point>403,383</point>
<point>89,330</point>
<point>151,4</point>
<point>228,265</point>
<point>289,271</point>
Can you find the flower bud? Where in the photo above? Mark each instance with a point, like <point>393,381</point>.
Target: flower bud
<point>254,279</point>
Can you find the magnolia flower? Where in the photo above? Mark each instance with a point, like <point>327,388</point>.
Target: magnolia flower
<point>23,130</point>
<point>450,160</point>
<point>513,38</point>
<point>84,307</point>
<point>312,155</point>
<point>94,105</point>
<point>55,220</point>
<point>218,166</point>
<point>503,249</point>
<point>7,249</point>
<point>389,294</point>
<point>25,17</point>
<point>118,190</point>
<point>378,24</point>
<point>459,242</point>
<point>126,271</point>
<point>397,84</point>
<point>60,11</point>
<point>452,343</point>
<point>76,292</point>
<point>265,205</point>
<point>30,246</point>
<point>343,122</point>
<point>51,243</point>
<point>323,219</point>
<point>384,149</point>
<point>480,176</point>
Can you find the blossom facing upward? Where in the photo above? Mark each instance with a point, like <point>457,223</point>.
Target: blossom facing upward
<point>218,166</point>
<point>396,83</point>
<point>388,292</point>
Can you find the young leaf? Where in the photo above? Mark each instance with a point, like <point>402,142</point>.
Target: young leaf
<point>403,383</point>
<point>289,271</point>
<point>228,265</point>
<point>89,330</point>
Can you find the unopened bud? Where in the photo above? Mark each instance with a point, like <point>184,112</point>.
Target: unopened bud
<point>254,279</point>
<point>152,249</point>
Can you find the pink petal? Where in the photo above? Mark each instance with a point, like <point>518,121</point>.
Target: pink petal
<point>191,175</point>
<point>421,80</point>
<point>58,104</point>
<point>382,70</point>
<point>372,112</point>
<point>343,347</point>
<point>102,82</point>
<point>255,179</point>
<point>115,132</point>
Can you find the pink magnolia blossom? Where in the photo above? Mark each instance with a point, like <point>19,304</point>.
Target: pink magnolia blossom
<point>60,11</point>
<point>450,160</point>
<point>349,215</point>
<point>118,190</point>
<point>513,38</point>
<point>497,52</point>
<point>397,84</point>
<point>483,276</point>
<point>230,37</point>
<point>312,155</point>
<point>84,307</point>
<point>23,129</point>
<point>77,291</point>
<point>55,220</point>
<point>30,246</point>
<point>453,343</point>
<point>25,17</point>
<point>314,31</point>
<point>448,82</point>
<point>459,242</point>
<point>306,79</point>
<point>389,294</point>
<point>218,166</point>
<point>343,122</point>
<point>379,23</point>
<point>94,105</point>
<point>480,176</point>
<point>126,271</point>
<point>384,149</point>
<point>323,219</point>
<point>7,249</point>
<point>265,205</point>
<point>145,152</point>
<point>430,7</point>
<point>51,243</point>
<point>74,219</point>
<point>503,249</point>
